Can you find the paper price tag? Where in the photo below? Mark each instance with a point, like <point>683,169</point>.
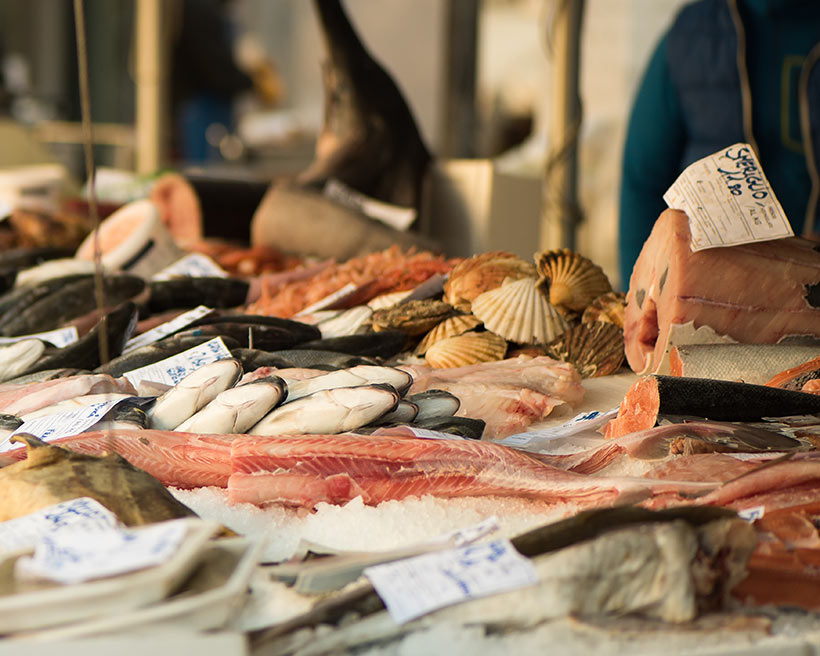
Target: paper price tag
<point>60,337</point>
<point>172,370</point>
<point>585,421</point>
<point>63,424</point>
<point>751,514</point>
<point>464,536</point>
<point>728,200</point>
<point>433,435</point>
<point>68,556</point>
<point>416,586</point>
<point>155,334</point>
<point>84,514</point>
<point>194,265</point>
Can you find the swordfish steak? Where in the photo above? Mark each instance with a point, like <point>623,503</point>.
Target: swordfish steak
<point>751,293</point>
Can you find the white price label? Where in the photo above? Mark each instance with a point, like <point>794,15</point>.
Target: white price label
<point>62,424</point>
<point>416,586</point>
<point>433,435</point>
<point>172,370</point>
<point>68,556</point>
<point>175,324</point>
<point>84,514</point>
<point>60,337</point>
<point>751,514</point>
<point>728,200</point>
<point>194,265</point>
<point>464,536</point>
<point>580,423</point>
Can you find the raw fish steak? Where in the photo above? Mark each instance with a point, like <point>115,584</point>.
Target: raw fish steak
<point>752,293</point>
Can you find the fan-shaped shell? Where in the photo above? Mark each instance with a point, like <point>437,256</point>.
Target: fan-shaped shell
<point>413,317</point>
<point>466,349</point>
<point>571,280</point>
<point>483,272</point>
<point>595,349</point>
<point>607,307</point>
<point>457,325</point>
<point>519,312</point>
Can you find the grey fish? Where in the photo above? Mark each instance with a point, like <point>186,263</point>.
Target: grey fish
<point>462,426</point>
<point>193,393</point>
<point>125,415</point>
<point>435,403</point>
<point>7,279</point>
<point>384,344</point>
<point>301,357</point>
<point>304,331</point>
<point>118,326</point>
<point>404,413</point>
<point>25,258</point>
<point>72,300</point>
<point>238,408</point>
<point>264,338</point>
<point>180,293</point>
<point>16,300</point>
<point>329,411</point>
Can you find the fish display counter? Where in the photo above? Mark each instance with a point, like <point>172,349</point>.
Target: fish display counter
<point>400,452</point>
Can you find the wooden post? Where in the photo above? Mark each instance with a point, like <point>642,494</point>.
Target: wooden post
<point>151,87</point>
<point>560,210</point>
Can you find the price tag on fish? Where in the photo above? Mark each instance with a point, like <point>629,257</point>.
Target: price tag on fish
<point>172,370</point>
<point>416,586</point>
<point>172,326</point>
<point>84,514</point>
<point>70,557</point>
<point>60,337</point>
<point>63,424</point>
<point>586,421</point>
<point>195,265</point>
<point>728,200</point>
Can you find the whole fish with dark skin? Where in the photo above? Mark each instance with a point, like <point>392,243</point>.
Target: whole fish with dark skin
<point>151,353</point>
<point>264,338</point>
<point>435,403</point>
<point>651,397</point>
<point>85,352</point>
<point>304,331</point>
<point>462,426</point>
<point>299,357</point>
<point>24,258</point>
<point>385,344</point>
<point>70,301</point>
<point>187,292</point>
<point>14,301</point>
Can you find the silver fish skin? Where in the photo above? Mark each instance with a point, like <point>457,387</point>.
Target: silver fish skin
<point>404,413</point>
<point>236,409</point>
<point>394,377</point>
<point>193,393</point>
<point>298,389</point>
<point>16,358</point>
<point>329,411</point>
<point>435,403</point>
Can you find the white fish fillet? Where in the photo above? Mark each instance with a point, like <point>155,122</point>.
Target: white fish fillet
<point>236,409</point>
<point>22,399</point>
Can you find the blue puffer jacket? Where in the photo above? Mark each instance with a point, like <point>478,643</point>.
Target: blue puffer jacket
<point>696,99</point>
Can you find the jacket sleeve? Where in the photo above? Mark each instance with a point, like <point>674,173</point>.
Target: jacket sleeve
<point>654,147</point>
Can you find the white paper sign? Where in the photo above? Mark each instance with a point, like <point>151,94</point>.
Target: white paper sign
<point>585,421</point>
<point>175,324</point>
<point>84,514</point>
<point>464,536</point>
<point>425,434</point>
<point>68,556</point>
<point>63,424</point>
<point>728,200</point>
<point>172,370</point>
<point>395,216</point>
<point>413,587</point>
<point>194,265</point>
<point>60,337</point>
<point>751,514</point>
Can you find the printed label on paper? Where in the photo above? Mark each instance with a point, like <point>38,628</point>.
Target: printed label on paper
<point>60,337</point>
<point>175,324</point>
<point>728,200</point>
<point>194,265</point>
<point>172,370</point>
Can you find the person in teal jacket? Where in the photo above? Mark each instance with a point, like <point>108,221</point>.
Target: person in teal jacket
<point>726,71</point>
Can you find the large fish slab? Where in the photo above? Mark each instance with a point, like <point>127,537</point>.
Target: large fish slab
<point>237,409</point>
<point>302,331</point>
<point>13,302</point>
<point>350,377</point>
<point>307,470</point>
<point>299,357</point>
<point>177,293</point>
<point>329,411</point>
<point>752,293</point>
<point>385,344</point>
<point>193,393</point>
<point>20,399</point>
<point>51,474</point>
<point>653,396</point>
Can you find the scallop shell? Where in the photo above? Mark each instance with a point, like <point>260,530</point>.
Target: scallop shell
<point>519,312</point>
<point>483,272</point>
<point>466,349</point>
<point>413,317</point>
<point>571,280</point>
<point>457,325</point>
<point>607,307</point>
<point>595,349</point>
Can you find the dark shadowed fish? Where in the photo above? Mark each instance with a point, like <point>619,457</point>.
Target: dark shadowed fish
<point>247,335</point>
<point>384,344</point>
<point>23,258</point>
<point>435,403</point>
<point>14,301</point>
<point>462,426</point>
<point>180,293</point>
<point>150,353</point>
<point>298,357</point>
<point>304,331</point>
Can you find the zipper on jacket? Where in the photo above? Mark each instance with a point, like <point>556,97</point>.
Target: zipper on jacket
<point>805,128</point>
<point>743,73</point>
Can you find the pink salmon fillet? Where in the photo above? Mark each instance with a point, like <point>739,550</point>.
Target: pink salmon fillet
<point>22,399</point>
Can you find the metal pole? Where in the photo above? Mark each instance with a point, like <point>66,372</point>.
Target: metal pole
<point>561,212</point>
<point>150,87</point>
